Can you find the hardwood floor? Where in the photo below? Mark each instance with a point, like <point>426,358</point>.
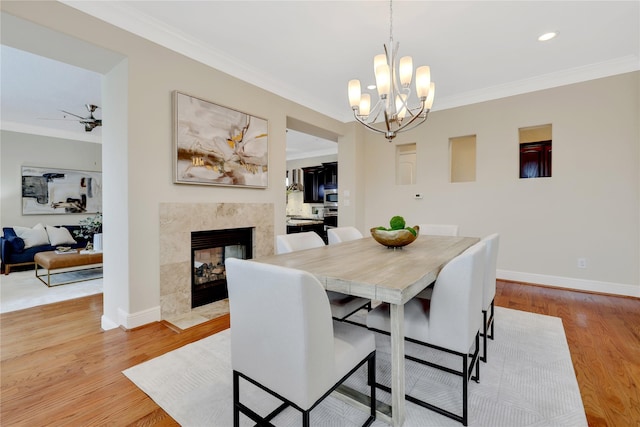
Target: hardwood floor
<point>59,368</point>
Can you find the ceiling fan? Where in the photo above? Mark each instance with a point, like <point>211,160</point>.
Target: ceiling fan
<point>89,122</point>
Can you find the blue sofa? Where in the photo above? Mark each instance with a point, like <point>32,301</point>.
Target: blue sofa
<point>13,253</point>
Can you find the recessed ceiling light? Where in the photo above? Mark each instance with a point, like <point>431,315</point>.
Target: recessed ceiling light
<point>371,87</point>
<point>547,36</point>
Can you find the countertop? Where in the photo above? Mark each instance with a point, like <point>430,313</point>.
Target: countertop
<point>299,220</point>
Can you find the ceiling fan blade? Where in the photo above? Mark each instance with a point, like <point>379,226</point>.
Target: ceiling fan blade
<point>64,120</point>
<point>71,114</point>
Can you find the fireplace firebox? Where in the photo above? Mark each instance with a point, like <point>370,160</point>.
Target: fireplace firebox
<point>209,250</point>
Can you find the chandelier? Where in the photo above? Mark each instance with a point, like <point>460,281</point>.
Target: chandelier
<point>393,82</point>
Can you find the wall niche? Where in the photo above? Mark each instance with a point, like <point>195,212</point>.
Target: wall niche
<point>535,151</point>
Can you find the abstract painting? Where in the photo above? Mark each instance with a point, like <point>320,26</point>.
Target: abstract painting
<point>60,191</point>
<point>216,145</point>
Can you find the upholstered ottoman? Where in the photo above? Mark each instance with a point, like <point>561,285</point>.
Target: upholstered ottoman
<point>57,263</point>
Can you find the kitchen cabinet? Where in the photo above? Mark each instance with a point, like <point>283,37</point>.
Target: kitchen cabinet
<point>313,184</point>
<point>535,159</point>
<point>330,172</point>
<point>317,178</point>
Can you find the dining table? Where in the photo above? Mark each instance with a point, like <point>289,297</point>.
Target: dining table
<point>366,268</point>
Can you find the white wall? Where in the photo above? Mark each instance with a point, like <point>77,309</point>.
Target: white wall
<point>20,149</point>
<point>589,208</point>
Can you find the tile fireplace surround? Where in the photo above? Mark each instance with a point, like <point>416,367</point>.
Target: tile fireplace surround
<point>178,220</point>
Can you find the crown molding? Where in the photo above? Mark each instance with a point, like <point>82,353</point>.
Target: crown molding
<point>616,66</point>
<point>128,19</point>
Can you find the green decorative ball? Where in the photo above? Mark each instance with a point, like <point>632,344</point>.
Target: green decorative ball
<point>397,223</point>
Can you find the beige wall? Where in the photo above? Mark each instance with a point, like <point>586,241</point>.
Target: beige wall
<point>137,156</point>
<point>588,209</point>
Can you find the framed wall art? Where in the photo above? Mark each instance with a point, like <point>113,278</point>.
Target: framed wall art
<point>60,191</point>
<point>216,145</point>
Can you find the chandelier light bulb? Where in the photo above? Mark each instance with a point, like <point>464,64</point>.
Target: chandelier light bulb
<point>383,80</point>
<point>379,60</point>
<point>432,93</point>
<point>423,81</point>
<point>365,105</point>
<point>354,93</point>
<point>406,71</point>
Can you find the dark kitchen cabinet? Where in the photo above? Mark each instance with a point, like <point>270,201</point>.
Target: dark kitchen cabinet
<point>313,184</point>
<point>317,178</point>
<point>330,171</point>
<point>535,159</point>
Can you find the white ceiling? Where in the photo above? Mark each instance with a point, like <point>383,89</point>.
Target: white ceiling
<point>307,51</point>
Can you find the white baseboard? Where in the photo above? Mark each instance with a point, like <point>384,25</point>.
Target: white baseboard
<point>107,323</point>
<point>134,320</point>
<point>571,283</point>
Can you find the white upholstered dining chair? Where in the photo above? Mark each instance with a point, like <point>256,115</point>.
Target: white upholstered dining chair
<point>450,321</point>
<point>298,241</point>
<point>342,305</point>
<point>438,229</point>
<point>489,289</point>
<point>290,347</point>
<point>343,234</point>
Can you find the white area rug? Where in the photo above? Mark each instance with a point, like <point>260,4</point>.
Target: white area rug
<point>528,381</point>
<point>21,289</point>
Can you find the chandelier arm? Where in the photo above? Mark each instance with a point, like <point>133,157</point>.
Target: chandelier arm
<point>401,128</point>
<point>367,125</point>
<point>376,109</point>
<point>412,111</point>
<point>406,128</point>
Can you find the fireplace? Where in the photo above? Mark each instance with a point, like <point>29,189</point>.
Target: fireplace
<point>209,250</point>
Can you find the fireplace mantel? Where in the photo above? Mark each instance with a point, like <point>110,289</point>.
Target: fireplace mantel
<point>178,220</point>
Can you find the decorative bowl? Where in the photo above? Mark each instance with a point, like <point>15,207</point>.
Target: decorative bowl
<point>394,238</point>
<point>63,248</point>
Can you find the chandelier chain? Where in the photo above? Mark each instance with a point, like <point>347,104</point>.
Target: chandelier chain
<point>391,22</point>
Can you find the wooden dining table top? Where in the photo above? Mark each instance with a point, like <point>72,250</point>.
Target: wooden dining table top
<point>365,268</point>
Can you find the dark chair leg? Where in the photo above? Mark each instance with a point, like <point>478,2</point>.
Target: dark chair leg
<point>465,388</point>
<point>484,336</point>
<point>491,318</point>
<point>371,377</point>
<point>236,400</point>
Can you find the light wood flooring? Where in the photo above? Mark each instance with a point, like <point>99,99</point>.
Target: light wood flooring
<point>59,368</point>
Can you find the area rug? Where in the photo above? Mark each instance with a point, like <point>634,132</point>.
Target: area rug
<point>21,289</point>
<point>528,381</point>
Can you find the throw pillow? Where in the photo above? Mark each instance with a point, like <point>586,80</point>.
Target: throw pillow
<point>59,236</point>
<point>17,244</point>
<point>36,236</point>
